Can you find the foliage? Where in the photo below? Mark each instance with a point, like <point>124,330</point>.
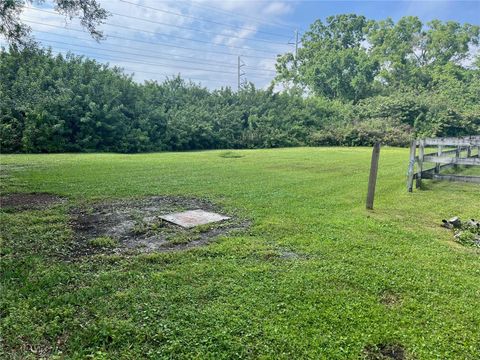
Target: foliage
<point>468,234</point>
<point>352,58</point>
<point>332,61</point>
<point>90,13</point>
<point>56,104</point>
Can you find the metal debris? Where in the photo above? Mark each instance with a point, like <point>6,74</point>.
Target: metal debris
<point>192,218</point>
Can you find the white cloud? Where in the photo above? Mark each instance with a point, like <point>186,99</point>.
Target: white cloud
<point>154,47</point>
<point>277,8</point>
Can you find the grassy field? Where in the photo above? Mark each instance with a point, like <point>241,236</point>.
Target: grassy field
<point>315,276</point>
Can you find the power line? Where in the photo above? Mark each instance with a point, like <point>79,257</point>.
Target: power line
<point>190,39</point>
<point>173,25</point>
<point>198,30</point>
<point>202,19</point>
<point>206,61</point>
<point>153,64</point>
<point>256,70</point>
<point>178,37</point>
<point>148,72</point>
<point>255,19</point>
<point>158,43</point>
<point>159,64</point>
<point>140,49</point>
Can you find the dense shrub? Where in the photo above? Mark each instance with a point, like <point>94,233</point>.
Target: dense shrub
<point>71,104</point>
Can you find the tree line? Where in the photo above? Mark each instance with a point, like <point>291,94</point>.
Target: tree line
<point>353,82</point>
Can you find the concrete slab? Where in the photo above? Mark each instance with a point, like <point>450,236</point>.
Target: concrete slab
<point>192,218</point>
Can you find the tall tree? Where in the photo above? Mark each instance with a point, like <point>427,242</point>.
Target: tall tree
<point>90,13</point>
<point>333,60</point>
<point>407,49</point>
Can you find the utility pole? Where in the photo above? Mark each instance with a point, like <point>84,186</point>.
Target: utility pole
<point>295,54</point>
<point>240,64</point>
<point>296,44</point>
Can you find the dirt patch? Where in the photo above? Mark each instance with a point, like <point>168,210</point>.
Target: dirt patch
<point>231,155</point>
<point>29,201</point>
<point>390,299</point>
<point>384,352</point>
<point>135,226</point>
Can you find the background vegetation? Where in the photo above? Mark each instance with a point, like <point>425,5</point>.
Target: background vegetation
<point>354,81</point>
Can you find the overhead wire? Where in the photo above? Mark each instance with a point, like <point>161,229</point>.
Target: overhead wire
<point>176,26</point>
<point>142,71</point>
<point>180,37</point>
<point>140,49</point>
<point>249,17</point>
<point>154,64</point>
<point>202,19</point>
<point>161,43</point>
<point>198,61</point>
<point>255,70</point>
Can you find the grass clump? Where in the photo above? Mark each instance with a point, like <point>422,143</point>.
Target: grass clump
<point>103,242</point>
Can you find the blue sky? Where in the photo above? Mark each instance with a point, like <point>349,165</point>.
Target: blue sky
<point>202,39</point>
<point>462,11</point>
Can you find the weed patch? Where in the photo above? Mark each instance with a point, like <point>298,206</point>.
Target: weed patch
<point>465,233</point>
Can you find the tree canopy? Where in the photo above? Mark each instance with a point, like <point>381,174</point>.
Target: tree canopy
<point>90,13</point>
<point>351,58</point>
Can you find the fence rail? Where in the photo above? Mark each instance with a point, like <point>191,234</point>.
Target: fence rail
<point>466,152</point>
<point>451,141</point>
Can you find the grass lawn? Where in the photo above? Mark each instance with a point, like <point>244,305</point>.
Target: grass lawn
<point>354,282</point>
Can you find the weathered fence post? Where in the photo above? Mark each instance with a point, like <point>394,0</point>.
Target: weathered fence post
<point>437,165</point>
<point>457,155</point>
<point>421,153</point>
<point>411,165</point>
<point>372,181</point>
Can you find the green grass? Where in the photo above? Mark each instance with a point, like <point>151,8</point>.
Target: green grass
<point>352,278</point>
<point>103,242</point>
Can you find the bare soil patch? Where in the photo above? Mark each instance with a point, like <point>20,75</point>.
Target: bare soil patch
<point>29,201</point>
<point>384,352</point>
<point>390,299</point>
<point>135,226</point>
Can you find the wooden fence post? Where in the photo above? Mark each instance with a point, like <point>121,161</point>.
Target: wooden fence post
<point>372,181</point>
<point>411,165</point>
<point>457,155</point>
<point>421,153</point>
<point>437,165</point>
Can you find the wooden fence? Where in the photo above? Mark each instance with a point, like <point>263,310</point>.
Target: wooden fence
<point>450,152</point>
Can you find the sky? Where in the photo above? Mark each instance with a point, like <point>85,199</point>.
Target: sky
<point>207,40</point>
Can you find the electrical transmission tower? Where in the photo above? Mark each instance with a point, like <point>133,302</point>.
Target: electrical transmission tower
<point>240,73</point>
